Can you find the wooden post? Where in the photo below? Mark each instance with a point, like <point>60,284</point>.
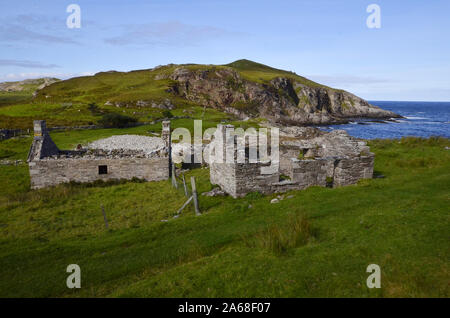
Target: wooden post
<point>184,205</point>
<point>185,187</point>
<point>104,216</point>
<point>194,195</point>
<point>174,177</point>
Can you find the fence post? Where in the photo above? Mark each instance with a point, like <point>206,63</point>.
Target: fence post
<point>184,205</point>
<point>104,216</point>
<point>194,196</point>
<point>185,187</point>
<point>174,177</point>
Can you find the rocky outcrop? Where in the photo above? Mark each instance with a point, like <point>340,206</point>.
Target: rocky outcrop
<point>282,99</point>
<point>34,84</point>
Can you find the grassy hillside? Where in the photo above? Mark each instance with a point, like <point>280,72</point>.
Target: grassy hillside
<point>142,85</point>
<point>316,243</point>
<point>21,91</point>
<point>66,102</point>
<point>261,73</point>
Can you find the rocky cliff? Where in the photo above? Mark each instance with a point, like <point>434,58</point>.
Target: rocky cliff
<point>283,99</point>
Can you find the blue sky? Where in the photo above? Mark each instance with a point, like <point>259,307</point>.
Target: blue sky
<point>328,41</point>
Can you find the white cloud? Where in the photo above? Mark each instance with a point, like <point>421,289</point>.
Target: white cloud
<point>171,33</point>
<point>30,75</point>
<point>26,63</point>
<point>34,29</point>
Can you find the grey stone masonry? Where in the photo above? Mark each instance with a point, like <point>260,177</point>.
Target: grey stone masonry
<point>235,178</point>
<point>50,172</point>
<point>325,159</point>
<point>167,139</point>
<point>50,166</point>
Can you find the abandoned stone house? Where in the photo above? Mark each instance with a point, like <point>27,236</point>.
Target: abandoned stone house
<point>328,159</point>
<point>50,166</point>
<point>319,159</point>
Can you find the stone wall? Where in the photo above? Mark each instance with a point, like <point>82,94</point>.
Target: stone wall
<point>10,133</point>
<point>312,172</point>
<point>50,172</point>
<point>286,154</point>
<point>349,171</point>
<point>50,166</point>
<point>223,175</point>
<point>332,159</point>
<point>250,179</point>
<point>238,179</point>
<point>343,171</point>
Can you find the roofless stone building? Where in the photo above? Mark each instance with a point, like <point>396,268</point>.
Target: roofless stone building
<point>313,158</point>
<point>50,166</point>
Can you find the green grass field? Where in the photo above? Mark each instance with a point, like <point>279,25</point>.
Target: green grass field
<point>318,243</point>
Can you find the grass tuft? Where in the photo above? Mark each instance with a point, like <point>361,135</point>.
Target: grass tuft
<point>281,238</point>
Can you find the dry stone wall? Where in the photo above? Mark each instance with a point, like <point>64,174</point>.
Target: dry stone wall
<point>224,175</point>
<point>49,172</point>
<point>349,171</point>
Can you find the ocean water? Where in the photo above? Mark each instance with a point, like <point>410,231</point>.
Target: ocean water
<point>422,119</point>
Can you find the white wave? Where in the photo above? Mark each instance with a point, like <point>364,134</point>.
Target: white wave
<point>415,118</point>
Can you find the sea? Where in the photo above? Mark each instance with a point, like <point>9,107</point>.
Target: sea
<point>421,119</point>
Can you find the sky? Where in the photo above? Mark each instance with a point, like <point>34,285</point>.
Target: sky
<point>328,41</point>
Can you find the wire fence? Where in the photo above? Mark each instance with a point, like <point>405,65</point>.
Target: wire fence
<point>179,183</point>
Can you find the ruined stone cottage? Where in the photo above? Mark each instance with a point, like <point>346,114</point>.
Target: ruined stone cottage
<point>50,166</point>
<point>323,159</point>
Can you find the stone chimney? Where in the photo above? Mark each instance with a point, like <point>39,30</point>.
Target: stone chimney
<point>40,128</point>
<point>167,139</point>
<point>43,145</point>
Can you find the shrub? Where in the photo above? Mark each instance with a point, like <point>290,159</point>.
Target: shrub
<point>167,114</point>
<point>250,107</point>
<point>114,120</point>
<point>94,109</point>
